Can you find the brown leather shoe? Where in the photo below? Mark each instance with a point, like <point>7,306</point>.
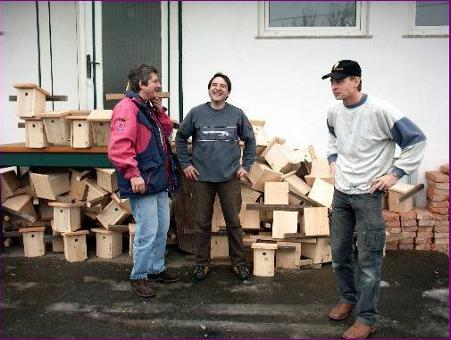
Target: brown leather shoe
<point>141,288</point>
<point>359,331</point>
<point>341,311</point>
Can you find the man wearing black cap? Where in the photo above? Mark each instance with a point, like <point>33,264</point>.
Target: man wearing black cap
<point>363,133</point>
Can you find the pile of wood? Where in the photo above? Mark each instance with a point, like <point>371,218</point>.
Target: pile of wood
<point>72,204</point>
<point>285,208</point>
<point>424,228</point>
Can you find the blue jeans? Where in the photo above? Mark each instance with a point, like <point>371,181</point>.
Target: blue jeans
<point>361,286</point>
<point>151,213</point>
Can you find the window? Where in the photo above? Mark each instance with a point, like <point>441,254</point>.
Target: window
<point>429,18</point>
<point>312,18</point>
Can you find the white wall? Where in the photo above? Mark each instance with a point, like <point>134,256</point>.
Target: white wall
<point>19,57</point>
<point>280,79</point>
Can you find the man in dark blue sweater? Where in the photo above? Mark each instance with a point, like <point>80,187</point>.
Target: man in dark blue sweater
<point>217,128</point>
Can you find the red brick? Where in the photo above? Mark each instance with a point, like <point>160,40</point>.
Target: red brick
<point>423,229</point>
<point>437,185</point>
<point>443,248</point>
<point>444,168</point>
<point>441,235</point>
<point>441,241</point>
<point>408,215</point>
<point>390,216</point>
<point>409,223</point>
<point>424,234</point>
<point>409,229</point>
<point>392,224</point>
<point>391,246</point>
<point>440,204</point>
<point>409,234</point>
<point>440,217</point>
<point>407,240</point>
<point>423,241</point>
<point>423,214</point>
<point>442,211</point>
<point>441,229</point>
<point>437,176</point>
<point>406,246</point>
<point>394,230</point>
<point>436,195</point>
<point>426,223</point>
<point>423,247</point>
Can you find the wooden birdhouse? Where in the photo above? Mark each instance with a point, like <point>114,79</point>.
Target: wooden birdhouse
<point>317,249</point>
<point>219,247</point>
<point>34,133</point>
<point>78,188</point>
<point>57,242</point>
<point>315,221</point>
<point>108,243</point>
<point>81,133</point>
<point>276,193</point>
<point>394,193</point>
<point>284,222</point>
<point>9,184</point>
<point>114,213</point>
<point>279,157</point>
<point>296,184</point>
<point>75,249</point>
<point>66,216</point>
<point>50,185</point>
<point>33,241</point>
<point>261,173</point>
<point>217,218</point>
<point>107,179</point>
<point>264,254</point>
<point>22,206</point>
<point>56,127</point>
<point>30,100</point>
<point>250,219</point>
<point>288,255</point>
<point>100,125</point>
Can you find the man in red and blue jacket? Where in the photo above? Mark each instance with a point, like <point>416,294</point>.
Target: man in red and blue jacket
<point>140,151</point>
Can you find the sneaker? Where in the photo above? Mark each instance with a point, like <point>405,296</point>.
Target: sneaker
<point>201,271</point>
<point>165,277</point>
<point>241,271</point>
<point>141,288</point>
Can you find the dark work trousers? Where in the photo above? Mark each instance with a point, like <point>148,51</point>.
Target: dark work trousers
<point>359,286</point>
<point>229,193</point>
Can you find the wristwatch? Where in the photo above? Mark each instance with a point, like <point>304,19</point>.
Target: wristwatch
<point>398,173</point>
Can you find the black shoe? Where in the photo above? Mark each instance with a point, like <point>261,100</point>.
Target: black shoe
<point>241,271</point>
<point>141,288</point>
<point>165,277</point>
<point>201,271</point>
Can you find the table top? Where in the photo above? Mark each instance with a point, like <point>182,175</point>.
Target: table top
<point>21,148</point>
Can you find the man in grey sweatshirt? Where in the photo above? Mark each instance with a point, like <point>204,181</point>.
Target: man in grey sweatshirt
<point>363,133</point>
<point>217,128</point>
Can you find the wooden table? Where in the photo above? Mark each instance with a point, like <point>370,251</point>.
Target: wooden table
<point>17,154</point>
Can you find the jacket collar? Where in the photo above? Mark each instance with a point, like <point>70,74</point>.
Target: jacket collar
<point>137,99</point>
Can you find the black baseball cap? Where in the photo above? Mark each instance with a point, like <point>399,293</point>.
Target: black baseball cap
<point>343,69</point>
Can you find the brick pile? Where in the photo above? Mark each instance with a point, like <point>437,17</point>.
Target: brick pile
<point>437,194</point>
<point>423,228</point>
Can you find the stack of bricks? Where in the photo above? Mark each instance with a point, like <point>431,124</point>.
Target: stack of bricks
<point>437,194</point>
<point>425,221</point>
<point>392,226</point>
<point>409,229</point>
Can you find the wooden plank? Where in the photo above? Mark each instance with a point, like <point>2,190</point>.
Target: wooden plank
<point>276,193</point>
<point>272,207</point>
<point>322,192</point>
<point>411,192</point>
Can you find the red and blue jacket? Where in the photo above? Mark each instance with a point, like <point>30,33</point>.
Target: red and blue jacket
<point>139,146</point>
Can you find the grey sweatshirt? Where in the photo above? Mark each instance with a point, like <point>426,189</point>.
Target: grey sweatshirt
<point>216,136</point>
<point>362,141</point>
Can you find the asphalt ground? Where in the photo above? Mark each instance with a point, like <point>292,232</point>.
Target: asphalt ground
<point>47,297</point>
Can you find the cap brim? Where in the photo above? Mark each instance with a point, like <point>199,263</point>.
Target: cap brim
<point>335,75</point>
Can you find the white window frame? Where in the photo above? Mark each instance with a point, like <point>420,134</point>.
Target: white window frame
<point>423,30</point>
<point>360,30</point>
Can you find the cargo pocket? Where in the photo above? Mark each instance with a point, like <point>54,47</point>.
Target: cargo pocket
<point>374,237</point>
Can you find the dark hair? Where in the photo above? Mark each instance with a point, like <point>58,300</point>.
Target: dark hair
<point>140,73</point>
<point>223,76</point>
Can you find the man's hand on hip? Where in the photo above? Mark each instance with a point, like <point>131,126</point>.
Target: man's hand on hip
<point>138,184</point>
<point>383,183</point>
<point>241,172</point>
<point>191,173</point>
